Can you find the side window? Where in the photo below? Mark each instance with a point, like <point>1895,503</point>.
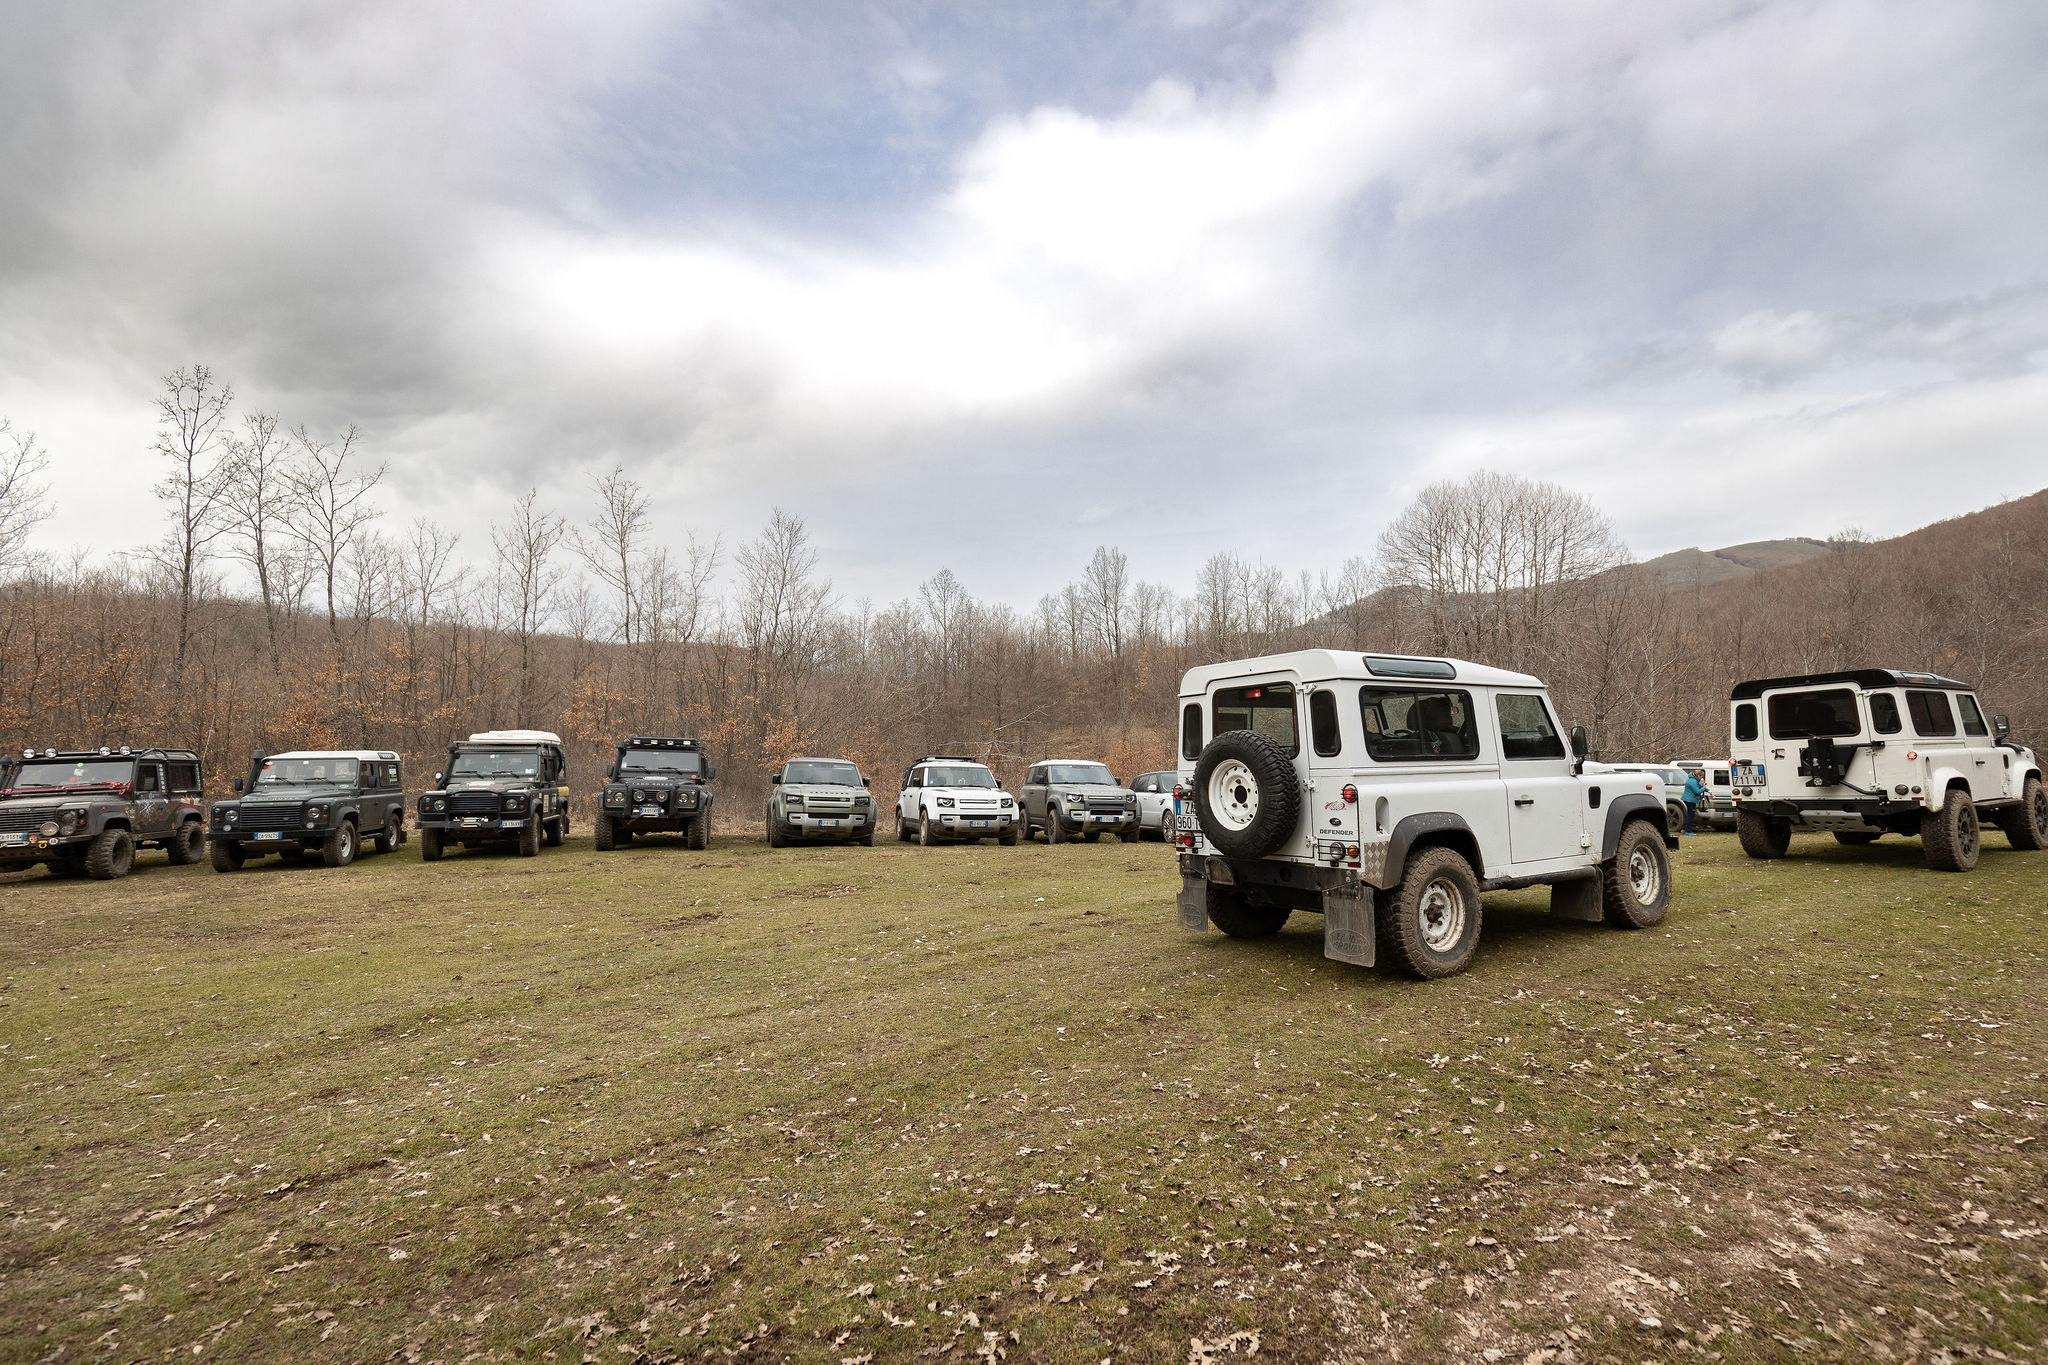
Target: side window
<point>1410,726</point>
<point>1525,727</point>
<point>1322,722</point>
<point>1720,778</point>
<point>1932,718</point>
<point>1745,722</point>
<point>1973,719</point>
<point>366,777</point>
<point>149,778</point>
<point>1035,778</point>
<point>391,778</point>
<point>1884,713</point>
<point>184,777</point>
<point>1191,731</point>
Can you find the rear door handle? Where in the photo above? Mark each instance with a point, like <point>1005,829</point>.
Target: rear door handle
<point>1525,800</point>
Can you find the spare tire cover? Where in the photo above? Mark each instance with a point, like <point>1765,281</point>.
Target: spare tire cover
<point>1247,797</point>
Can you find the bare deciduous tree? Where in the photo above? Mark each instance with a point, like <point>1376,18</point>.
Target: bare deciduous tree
<point>192,411</point>
<point>529,583</point>
<point>258,502</point>
<point>24,503</point>
<point>613,546</point>
<point>332,506</point>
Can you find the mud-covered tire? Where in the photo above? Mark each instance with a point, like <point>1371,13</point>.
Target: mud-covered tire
<point>385,840</point>
<point>430,845</point>
<point>2026,825</point>
<point>1429,924</point>
<point>1949,834</point>
<point>1762,837</point>
<point>1857,838</point>
<point>111,855</point>
<point>699,835</point>
<point>1246,794</point>
<point>903,831</point>
<point>187,844</point>
<point>1236,917</point>
<point>339,848</point>
<point>1635,885</point>
<point>1010,837</point>
<point>867,837</point>
<point>925,837</point>
<point>225,855</point>
<point>529,838</point>
<point>603,835</point>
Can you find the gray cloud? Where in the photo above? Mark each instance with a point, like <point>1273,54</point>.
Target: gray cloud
<point>989,293</point>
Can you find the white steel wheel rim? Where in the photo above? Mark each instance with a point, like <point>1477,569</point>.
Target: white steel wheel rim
<point>1234,794</point>
<point>1643,878</point>
<point>1440,913</point>
<point>348,840</point>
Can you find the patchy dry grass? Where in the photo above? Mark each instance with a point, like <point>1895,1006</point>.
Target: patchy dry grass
<point>850,1104</point>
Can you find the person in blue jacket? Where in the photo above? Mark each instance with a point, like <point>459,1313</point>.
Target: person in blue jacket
<point>1695,792</point>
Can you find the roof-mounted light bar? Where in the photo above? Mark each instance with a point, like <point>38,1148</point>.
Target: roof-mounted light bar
<point>1389,666</point>
<point>661,742</point>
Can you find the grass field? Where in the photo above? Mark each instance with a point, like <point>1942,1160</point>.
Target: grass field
<point>990,1104</point>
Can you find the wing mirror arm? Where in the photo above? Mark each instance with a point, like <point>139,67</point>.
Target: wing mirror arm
<point>1580,748</point>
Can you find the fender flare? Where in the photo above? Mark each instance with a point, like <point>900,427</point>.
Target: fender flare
<point>1410,828</point>
<point>1639,805</point>
<point>1939,780</point>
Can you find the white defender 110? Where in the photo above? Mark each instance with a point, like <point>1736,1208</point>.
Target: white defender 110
<point>1387,793</point>
<point>1872,752</point>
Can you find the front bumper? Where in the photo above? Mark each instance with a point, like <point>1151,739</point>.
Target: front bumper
<point>977,822</point>
<point>1087,819</point>
<point>472,824</point>
<point>30,848</point>
<point>816,824</point>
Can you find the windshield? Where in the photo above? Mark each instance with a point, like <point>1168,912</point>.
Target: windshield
<point>488,763</point>
<point>680,761</point>
<point>831,774</point>
<point>72,772</point>
<point>1079,774</point>
<point>959,777</point>
<point>292,772</point>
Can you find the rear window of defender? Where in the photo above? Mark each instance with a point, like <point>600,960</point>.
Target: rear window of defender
<point>1807,715</point>
<point>1264,709</point>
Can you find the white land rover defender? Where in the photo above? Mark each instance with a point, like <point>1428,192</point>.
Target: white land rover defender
<point>1872,751</point>
<point>951,798</point>
<point>1388,793</point>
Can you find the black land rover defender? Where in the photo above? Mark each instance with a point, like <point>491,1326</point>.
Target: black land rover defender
<point>501,785</point>
<point>307,801</point>
<point>88,811</point>
<point>656,784</point>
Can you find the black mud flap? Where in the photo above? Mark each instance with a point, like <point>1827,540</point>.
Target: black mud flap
<point>1348,925</point>
<point>1577,899</point>
<point>1193,902</point>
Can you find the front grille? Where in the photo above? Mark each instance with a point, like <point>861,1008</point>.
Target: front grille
<point>474,803</point>
<point>828,804</point>
<point>263,819</point>
<point>1106,806</point>
<point>23,819</point>
<point>979,805</point>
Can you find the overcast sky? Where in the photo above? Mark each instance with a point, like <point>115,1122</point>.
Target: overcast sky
<point>984,286</point>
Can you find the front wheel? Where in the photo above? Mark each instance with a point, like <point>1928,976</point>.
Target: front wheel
<point>430,845</point>
<point>604,836</point>
<point>903,834</point>
<point>925,837</point>
<point>1761,836</point>
<point>1430,922</point>
<point>529,838</point>
<point>1949,835</point>
<point>187,845</point>
<point>339,849</point>
<point>386,839</point>
<point>556,832</point>
<point>2026,824</point>
<point>111,855</point>
<point>775,839</point>
<point>1674,818</point>
<point>1055,828</point>
<point>867,838</point>
<point>699,837</point>
<point>226,856</point>
<point>1010,837</point>
<point>1636,885</point>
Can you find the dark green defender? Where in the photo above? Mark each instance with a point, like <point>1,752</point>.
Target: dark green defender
<point>502,786</point>
<point>325,801</point>
<point>656,785</point>
<point>87,811</point>
<point>820,800</point>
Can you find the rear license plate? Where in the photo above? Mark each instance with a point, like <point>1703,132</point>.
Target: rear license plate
<point>267,838</point>
<point>1186,823</point>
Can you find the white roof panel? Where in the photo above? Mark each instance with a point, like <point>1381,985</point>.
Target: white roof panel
<point>1323,665</point>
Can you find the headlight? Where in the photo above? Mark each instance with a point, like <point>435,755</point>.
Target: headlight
<point>69,821</point>
<point>439,803</point>
<point>639,794</point>
<point>49,829</point>
<point>615,797</point>
<point>1007,803</point>
<point>229,819</point>
<point>661,795</point>
<point>1130,798</point>
<point>515,803</point>
<point>945,801</point>
<point>793,803</point>
<point>315,815</point>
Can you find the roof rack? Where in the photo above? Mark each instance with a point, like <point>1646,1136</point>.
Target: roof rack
<point>1861,677</point>
<point>662,742</point>
<point>108,751</point>
<point>946,758</point>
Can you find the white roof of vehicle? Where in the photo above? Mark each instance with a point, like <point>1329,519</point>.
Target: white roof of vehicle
<point>1318,665</point>
<point>1093,761</point>
<point>359,755</point>
<point>515,737</point>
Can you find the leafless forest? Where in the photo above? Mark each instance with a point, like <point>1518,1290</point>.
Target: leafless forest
<point>288,606</point>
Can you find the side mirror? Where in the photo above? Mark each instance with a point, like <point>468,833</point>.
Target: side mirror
<point>865,783</point>
<point>2002,725</point>
<point>611,774</point>
<point>438,778</point>
<point>775,780</point>
<point>709,772</point>
<point>1580,747</point>
<point>238,784</point>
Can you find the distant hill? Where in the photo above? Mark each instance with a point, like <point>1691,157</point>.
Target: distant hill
<point>1693,567</point>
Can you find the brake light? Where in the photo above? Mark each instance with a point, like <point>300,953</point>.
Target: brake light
<point>1350,794</point>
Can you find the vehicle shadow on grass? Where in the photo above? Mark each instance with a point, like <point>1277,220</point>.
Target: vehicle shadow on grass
<point>149,863</point>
